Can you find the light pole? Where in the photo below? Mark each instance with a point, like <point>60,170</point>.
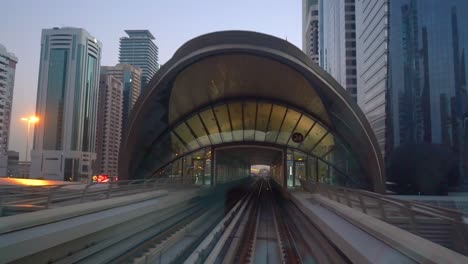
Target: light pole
<point>30,120</point>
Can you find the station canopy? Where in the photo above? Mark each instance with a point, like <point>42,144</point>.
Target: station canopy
<point>238,87</point>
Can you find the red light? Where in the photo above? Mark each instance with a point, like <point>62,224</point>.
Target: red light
<point>103,178</point>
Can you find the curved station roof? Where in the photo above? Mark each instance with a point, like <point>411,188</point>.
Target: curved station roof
<point>246,87</point>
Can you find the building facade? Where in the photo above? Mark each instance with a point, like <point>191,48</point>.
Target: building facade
<point>311,29</point>
<point>7,83</point>
<point>138,49</point>
<point>130,76</point>
<point>67,100</point>
<point>412,73</point>
<point>109,124</point>
<point>338,42</point>
<point>372,66</point>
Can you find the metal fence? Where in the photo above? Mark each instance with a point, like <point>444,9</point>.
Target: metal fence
<point>440,225</point>
<point>21,199</point>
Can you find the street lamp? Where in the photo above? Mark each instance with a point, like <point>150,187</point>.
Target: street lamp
<point>30,120</point>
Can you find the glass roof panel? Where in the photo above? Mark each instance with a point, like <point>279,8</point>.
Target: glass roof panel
<point>178,147</point>
<point>326,145</point>
<point>235,111</point>
<point>250,113</point>
<point>263,115</point>
<point>222,115</point>
<point>197,127</point>
<point>303,128</point>
<point>210,123</point>
<point>277,116</point>
<point>183,131</point>
<point>313,137</point>
<point>290,121</point>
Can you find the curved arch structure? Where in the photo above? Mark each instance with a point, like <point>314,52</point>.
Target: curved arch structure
<point>238,87</point>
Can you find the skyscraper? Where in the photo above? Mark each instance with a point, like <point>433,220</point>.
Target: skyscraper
<point>138,49</point>
<point>412,72</point>
<point>310,29</point>
<point>338,42</point>
<point>67,97</point>
<point>372,66</point>
<point>7,83</point>
<point>130,76</point>
<point>109,124</point>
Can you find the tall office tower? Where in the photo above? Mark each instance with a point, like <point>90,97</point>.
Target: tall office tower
<point>310,29</point>
<point>138,49</point>
<point>67,97</point>
<point>338,42</point>
<point>130,76</point>
<point>372,66</point>
<point>412,73</point>
<point>109,124</point>
<point>7,82</point>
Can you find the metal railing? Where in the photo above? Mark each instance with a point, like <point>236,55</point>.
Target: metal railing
<point>17,199</point>
<point>440,225</point>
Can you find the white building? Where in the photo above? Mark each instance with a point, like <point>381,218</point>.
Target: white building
<point>7,82</point>
<point>311,29</point>
<point>130,76</point>
<point>372,51</point>
<point>338,42</point>
<point>67,100</point>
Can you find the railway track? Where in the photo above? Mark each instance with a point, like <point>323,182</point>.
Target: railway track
<point>252,225</point>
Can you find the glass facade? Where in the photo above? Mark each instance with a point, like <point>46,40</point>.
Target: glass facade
<point>267,123</point>
<point>138,49</point>
<point>428,73</point>
<point>89,105</point>
<point>53,123</point>
<point>192,168</point>
<point>76,102</point>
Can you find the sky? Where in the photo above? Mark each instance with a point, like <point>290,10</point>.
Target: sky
<point>172,22</point>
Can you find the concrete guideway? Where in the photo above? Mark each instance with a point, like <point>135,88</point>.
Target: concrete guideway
<point>42,237</point>
<point>262,223</point>
<point>17,199</point>
<point>355,233</point>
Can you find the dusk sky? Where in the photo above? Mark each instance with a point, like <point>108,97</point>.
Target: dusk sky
<point>171,22</point>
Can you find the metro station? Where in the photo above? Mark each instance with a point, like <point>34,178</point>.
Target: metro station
<point>229,100</point>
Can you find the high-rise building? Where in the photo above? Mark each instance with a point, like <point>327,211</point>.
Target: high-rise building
<point>7,82</point>
<point>412,74</point>
<point>138,49</point>
<point>310,29</point>
<point>338,42</point>
<point>109,125</point>
<point>67,99</point>
<point>372,66</point>
<point>130,76</point>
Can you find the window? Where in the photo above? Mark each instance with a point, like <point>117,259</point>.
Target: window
<point>350,62</point>
<point>351,71</point>
<point>350,81</point>
<point>351,35</point>
<point>349,8</point>
<point>351,53</point>
<point>350,44</point>
<point>55,98</point>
